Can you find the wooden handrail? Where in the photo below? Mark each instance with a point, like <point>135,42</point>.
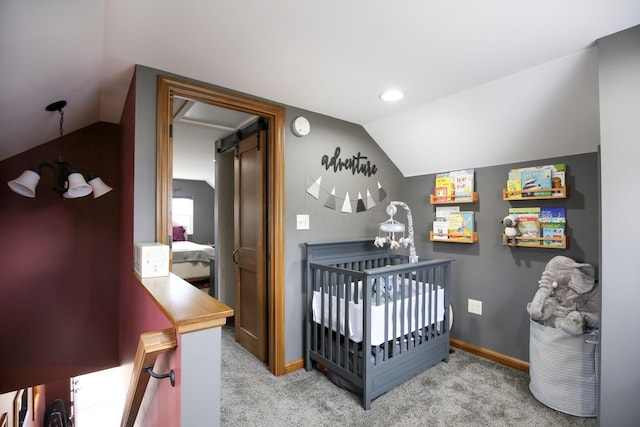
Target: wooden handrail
<point>150,346</point>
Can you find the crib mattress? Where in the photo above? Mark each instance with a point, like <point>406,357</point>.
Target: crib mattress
<point>406,310</point>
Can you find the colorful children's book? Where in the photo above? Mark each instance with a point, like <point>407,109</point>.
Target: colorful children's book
<point>552,214</point>
<point>455,222</point>
<point>444,189</point>
<point>558,177</point>
<point>515,174</point>
<point>443,212</point>
<point>536,179</point>
<point>440,230</point>
<point>554,231</point>
<point>463,184</point>
<point>528,223</point>
<point>461,225</point>
<point>513,188</point>
<point>528,226</point>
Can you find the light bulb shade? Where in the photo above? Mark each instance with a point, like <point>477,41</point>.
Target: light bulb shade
<point>26,183</point>
<point>78,187</point>
<point>99,187</point>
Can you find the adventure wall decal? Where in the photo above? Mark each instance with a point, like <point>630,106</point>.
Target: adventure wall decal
<point>356,164</point>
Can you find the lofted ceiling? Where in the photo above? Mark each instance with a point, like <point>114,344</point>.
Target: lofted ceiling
<point>332,57</point>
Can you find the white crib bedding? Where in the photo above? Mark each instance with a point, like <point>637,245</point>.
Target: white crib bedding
<point>405,305</point>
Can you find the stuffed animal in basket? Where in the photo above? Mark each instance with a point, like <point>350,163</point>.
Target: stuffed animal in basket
<point>568,296</point>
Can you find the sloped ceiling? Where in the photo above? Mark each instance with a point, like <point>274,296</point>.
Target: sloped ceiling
<point>332,57</point>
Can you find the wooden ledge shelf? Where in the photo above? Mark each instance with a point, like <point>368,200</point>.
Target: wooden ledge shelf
<point>517,195</point>
<point>187,308</point>
<point>474,199</point>
<point>563,242</point>
<point>454,238</point>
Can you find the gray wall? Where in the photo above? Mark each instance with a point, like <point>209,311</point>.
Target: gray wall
<point>505,278</point>
<point>302,163</point>
<point>619,57</point>
<point>203,216</point>
<point>303,167</point>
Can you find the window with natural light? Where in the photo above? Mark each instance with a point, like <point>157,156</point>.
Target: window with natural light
<point>182,212</point>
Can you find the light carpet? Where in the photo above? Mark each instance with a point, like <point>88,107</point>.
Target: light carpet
<point>466,391</point>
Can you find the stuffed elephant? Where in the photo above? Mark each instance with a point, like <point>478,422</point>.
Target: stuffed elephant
<point>568,296</point>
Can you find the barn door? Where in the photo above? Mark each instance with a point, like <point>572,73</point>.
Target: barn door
<point>250,244</point>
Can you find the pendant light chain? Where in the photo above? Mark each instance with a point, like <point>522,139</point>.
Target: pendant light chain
<point>60,152</point>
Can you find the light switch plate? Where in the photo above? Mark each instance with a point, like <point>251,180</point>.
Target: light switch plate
<point>302,222</point>
<point>475,307</point>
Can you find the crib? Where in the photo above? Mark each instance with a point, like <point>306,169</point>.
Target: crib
<point>374,320</point>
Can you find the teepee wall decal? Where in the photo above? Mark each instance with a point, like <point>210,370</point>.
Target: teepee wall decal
<point>381,193</point>
<point>346,206</point>
<point>331,200</point>
<point>370,202</point>
<point>360,205</point>
<point>314,189</point>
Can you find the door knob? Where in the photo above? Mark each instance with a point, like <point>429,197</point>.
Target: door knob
<point>235,260</point>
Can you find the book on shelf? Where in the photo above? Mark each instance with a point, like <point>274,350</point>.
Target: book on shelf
<point>536,179</point>
<point>558,172</point>
<point>444,189</point>
<point>553,232</point>
<point>441,230</point>
<point>552,214</point>
<point>463,184</point>
<point>461,225</point>
<point>528,223</point>
<point>443,212</point>
<point>528,226</point>
<point>513,188</point>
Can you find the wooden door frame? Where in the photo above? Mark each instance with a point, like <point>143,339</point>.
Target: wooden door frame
<point>168,87</point>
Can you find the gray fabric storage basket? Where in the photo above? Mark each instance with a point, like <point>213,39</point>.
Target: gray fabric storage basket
<point>564,370</point>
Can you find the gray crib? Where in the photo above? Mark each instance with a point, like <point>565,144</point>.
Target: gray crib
<point>373,319</point>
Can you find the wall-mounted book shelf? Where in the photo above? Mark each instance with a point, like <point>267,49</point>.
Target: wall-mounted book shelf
<point>453,237</point>
<point>518,195</point>
<point>560,242</point>
<point>435,200</point>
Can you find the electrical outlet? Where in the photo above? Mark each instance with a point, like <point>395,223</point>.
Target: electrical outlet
<point>302,222</point>
<point>475,307</point>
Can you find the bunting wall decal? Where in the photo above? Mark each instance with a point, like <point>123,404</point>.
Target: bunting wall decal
<point>346,206</point>
<point>381,193</point>
<point>331,200</point>
<point>370,202</point>
<point>360,205</point>
<point>314,189</point>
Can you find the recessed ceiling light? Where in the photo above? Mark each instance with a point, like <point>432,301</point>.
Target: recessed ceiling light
<point>392,95</point>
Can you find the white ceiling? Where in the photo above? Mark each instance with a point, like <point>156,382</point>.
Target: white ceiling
<point>196,128</point>
<point>333,57</point>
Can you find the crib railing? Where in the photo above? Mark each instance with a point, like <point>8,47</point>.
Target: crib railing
<point>369,310</point>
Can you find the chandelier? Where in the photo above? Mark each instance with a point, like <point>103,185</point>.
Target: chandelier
<point>70,183</point>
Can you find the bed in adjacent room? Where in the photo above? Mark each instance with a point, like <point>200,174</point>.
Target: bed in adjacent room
<point>192,261</point>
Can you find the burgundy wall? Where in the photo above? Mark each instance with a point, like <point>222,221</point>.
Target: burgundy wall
<point>138,313</point>
<point>59,266</point>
